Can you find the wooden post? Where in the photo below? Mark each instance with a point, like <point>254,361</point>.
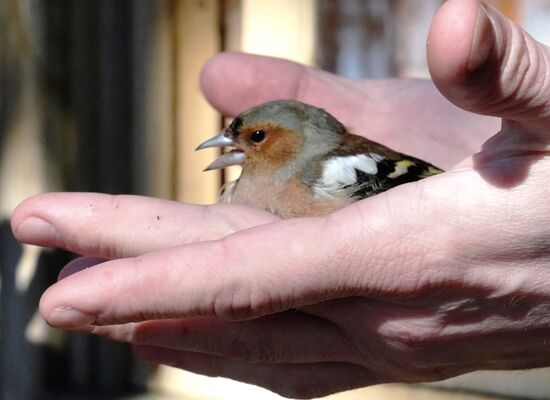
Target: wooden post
<point>197,36</point>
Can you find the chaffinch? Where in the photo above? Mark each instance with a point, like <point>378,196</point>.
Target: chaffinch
<point>298,160</point>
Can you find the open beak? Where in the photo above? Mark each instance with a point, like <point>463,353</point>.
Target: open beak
<point>233,157</point>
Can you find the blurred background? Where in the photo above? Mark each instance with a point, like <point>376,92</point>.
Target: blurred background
<point>103,95</point>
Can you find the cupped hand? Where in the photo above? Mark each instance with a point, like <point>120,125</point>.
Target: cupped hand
<point>423,282</point>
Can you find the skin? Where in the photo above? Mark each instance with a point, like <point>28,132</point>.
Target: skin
<point>410,285</point>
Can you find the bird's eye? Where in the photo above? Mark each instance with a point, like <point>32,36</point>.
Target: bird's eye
<point>257,136</point>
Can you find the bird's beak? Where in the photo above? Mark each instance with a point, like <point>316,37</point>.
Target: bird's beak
<point>233,157</point>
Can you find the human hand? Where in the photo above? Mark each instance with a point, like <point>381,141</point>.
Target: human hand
<point>407,286</point>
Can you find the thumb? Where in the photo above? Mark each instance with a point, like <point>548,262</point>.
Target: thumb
<point>483,62</point>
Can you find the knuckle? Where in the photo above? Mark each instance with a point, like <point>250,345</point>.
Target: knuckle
<point>232,300</point>
<point>521,79</point>
<point>240,296</point>
<point>346,246</point>
<point>348,258</point>
<point>237,300</point>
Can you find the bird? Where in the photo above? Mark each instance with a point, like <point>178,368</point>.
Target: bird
<point>299,161</point>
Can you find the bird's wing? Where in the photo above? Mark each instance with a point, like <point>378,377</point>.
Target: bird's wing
<point>361,168</point>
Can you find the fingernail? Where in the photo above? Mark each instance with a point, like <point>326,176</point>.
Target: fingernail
<point>78,265</point>
<point>68,317</point>
<point>35,230</point>
<point>483,40</point>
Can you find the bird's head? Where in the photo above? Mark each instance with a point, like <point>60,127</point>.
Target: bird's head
<point>276,134</point>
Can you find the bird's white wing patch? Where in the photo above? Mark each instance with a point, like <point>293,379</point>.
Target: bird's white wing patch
<point>340,173</point>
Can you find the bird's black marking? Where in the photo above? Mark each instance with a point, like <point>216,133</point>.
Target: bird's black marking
<point>364,186</point>
<point>236,125</point>
<point>368,185</point>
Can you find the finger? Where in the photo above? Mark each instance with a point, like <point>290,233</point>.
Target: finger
<point>485,63</point>
<point>291,337</point>
<point>260,79</point>
<point>267,269</point>
<point>273,267</point>
<point>288,380</point>
<point>124,226</point>
<point>237,278</point>
<point>298,262</point>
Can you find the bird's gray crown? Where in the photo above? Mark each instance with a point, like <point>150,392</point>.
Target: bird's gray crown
<point>293,115</point>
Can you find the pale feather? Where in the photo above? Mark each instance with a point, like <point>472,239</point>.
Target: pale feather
<point>339,173</point>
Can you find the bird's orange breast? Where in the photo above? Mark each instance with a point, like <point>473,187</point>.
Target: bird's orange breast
<point>286,199</point>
